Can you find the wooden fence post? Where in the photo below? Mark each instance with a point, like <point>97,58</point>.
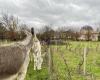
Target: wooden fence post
<point>84,67</point>
<point>50,63</point>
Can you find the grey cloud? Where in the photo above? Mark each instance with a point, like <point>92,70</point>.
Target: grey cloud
<point>56,12</point>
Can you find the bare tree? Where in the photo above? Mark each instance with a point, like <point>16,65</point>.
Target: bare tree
<point>2,31</point>
<point>10,22</point>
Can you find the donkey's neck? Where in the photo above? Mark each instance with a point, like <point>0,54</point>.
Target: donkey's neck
<point>27,42</point>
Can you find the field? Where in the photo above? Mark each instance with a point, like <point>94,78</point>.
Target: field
<point>67,62</point>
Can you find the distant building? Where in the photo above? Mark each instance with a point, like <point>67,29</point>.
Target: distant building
<point>87,33</point>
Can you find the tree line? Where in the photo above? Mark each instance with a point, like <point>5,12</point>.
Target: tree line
<point>11,28</point>
<point>87,32</point>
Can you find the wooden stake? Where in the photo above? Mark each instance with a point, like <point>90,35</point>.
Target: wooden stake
<point>84,68</point>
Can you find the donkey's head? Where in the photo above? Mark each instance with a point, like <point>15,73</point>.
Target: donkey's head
<point>32,31</point>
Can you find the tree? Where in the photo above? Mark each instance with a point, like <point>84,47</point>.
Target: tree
<point>99,37</point>
<point>46,33</point>
<point>87,31</point>
<point>2,28</point>
<point>2,31</point>
<point>11,23</point>
<point>76,35</point>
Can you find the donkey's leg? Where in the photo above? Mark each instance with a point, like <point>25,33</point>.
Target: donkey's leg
<point>23,71</point>
<point>39,62</point>
<point>35,62</point>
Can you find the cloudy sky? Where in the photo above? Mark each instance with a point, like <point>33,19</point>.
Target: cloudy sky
<point>54,12</point>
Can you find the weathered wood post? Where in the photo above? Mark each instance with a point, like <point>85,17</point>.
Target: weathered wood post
<point>50,60</point>
<point>84,67</point>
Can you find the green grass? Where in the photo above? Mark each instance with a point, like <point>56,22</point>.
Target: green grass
<point>36,74</point>
<point>72,58</point>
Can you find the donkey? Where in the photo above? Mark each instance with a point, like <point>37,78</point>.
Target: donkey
<point>38,57</point>
<point>14,58</point>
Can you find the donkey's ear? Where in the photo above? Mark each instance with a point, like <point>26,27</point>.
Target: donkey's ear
<point>32,31</point>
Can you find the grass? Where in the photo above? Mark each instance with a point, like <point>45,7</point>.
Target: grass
<point>36,74</point>
<point>72,57</point>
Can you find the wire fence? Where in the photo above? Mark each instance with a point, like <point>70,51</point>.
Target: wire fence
<point>71,61</point>
<point>67,62</point>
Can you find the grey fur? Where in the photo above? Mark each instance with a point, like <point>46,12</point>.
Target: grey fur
<point>11,59</point>
<point>12,56</point>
